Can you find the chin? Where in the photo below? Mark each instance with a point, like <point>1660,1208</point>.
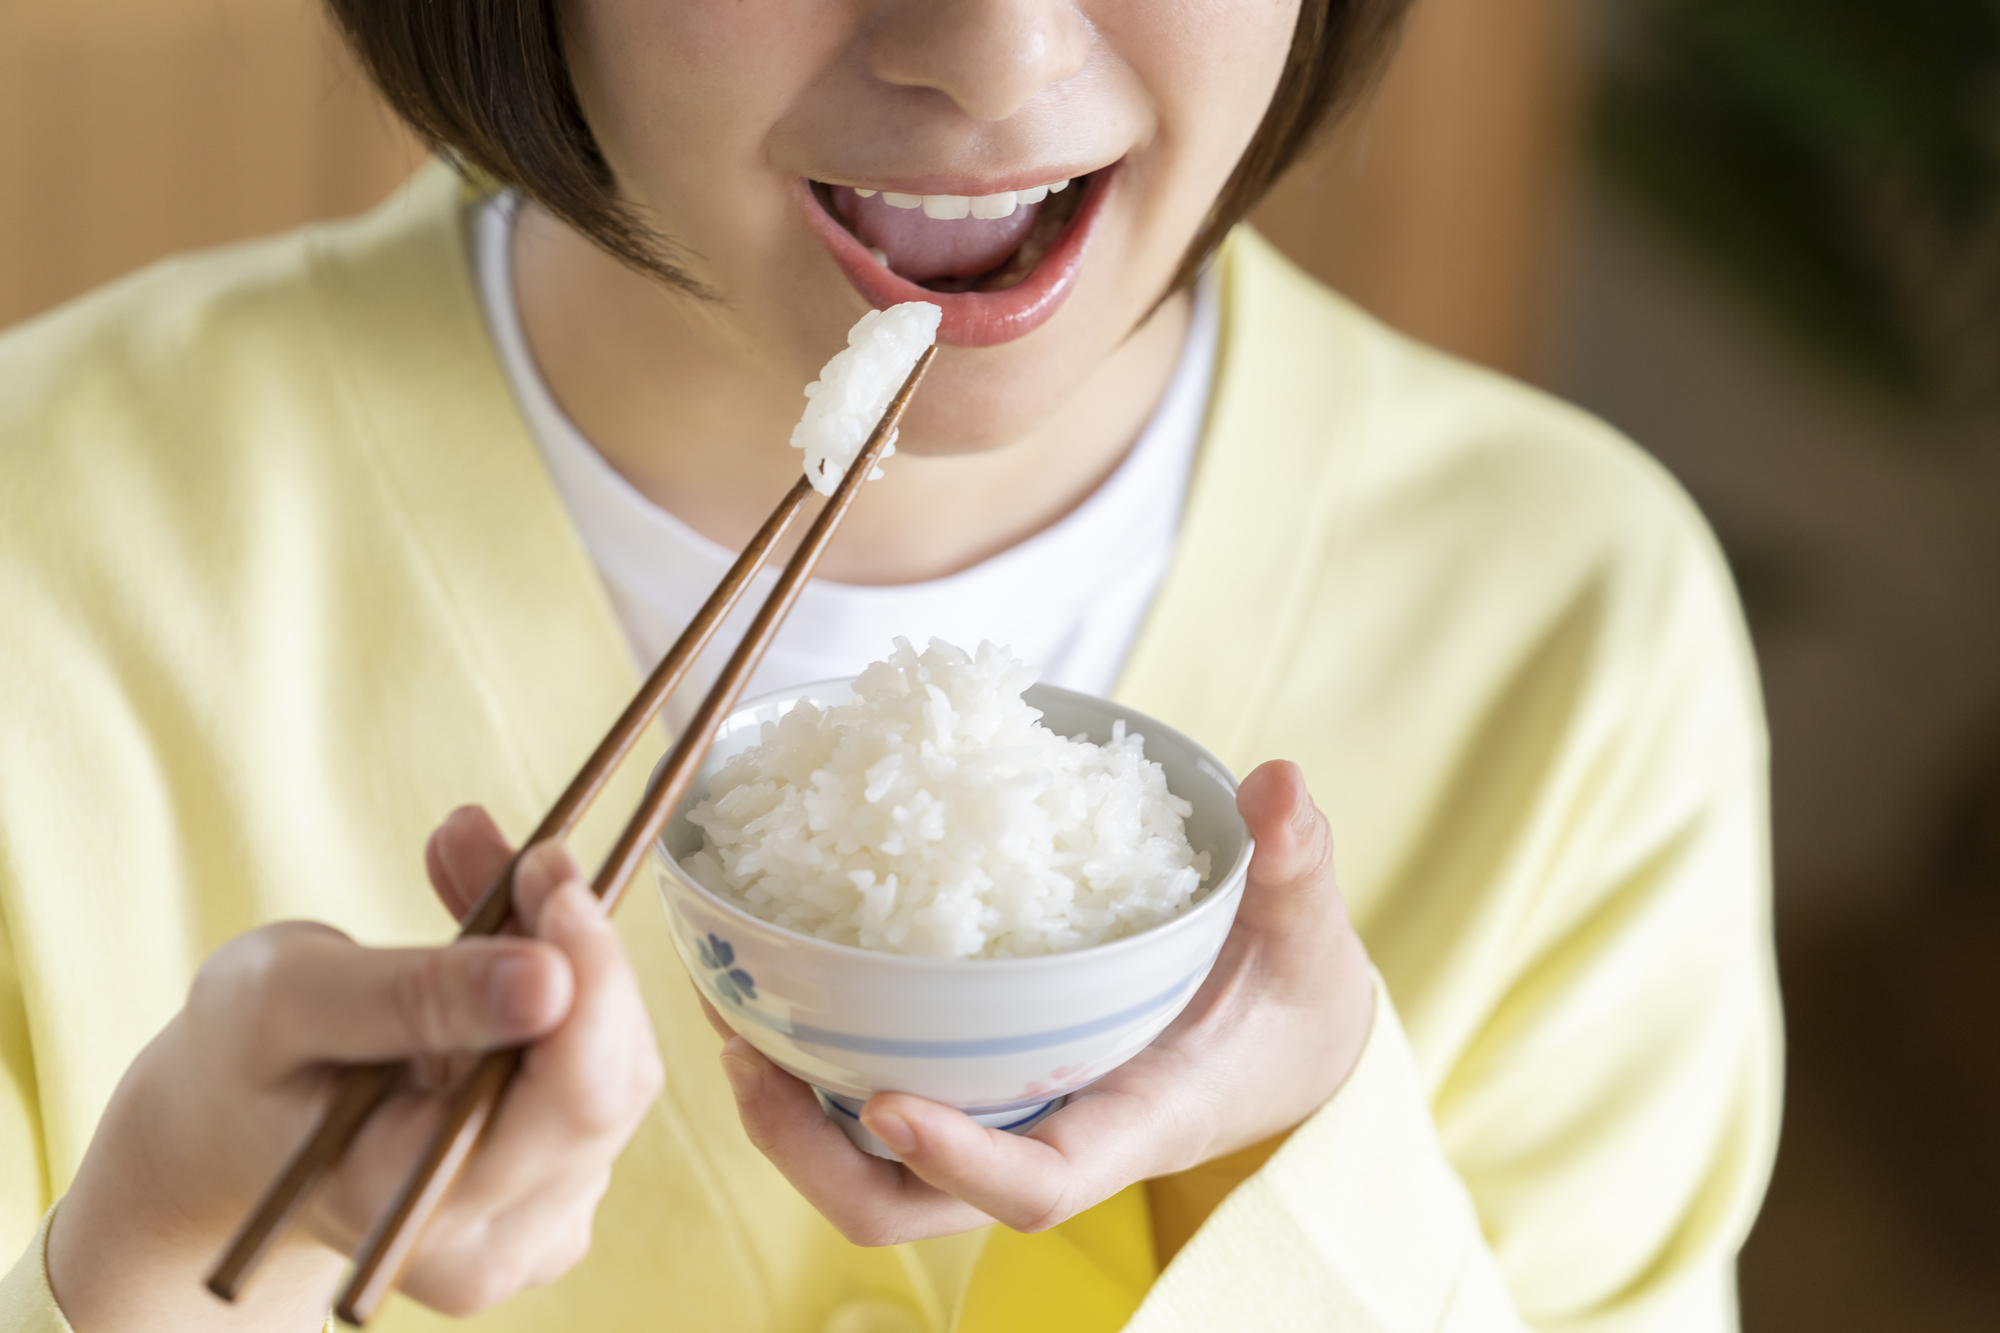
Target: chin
<point>957,416</point>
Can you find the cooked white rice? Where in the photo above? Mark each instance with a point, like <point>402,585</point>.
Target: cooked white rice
<point>934,815</point>
<point>855,388</point>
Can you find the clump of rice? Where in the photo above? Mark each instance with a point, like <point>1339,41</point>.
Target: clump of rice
<point>935,815</point>
<point>855,388</point>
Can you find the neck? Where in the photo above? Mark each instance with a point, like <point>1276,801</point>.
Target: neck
<point>667,394</point>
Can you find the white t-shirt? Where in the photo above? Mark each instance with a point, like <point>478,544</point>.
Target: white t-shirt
<point>1069,600</point>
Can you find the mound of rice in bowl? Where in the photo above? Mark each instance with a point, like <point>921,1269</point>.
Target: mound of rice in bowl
<point>935,815</point>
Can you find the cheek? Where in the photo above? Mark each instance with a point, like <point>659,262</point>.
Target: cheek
<point>1209,67</point>
<point>1207,71</point>
<point>679,95</point>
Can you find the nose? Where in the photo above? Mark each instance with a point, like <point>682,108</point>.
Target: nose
<point>990,57</point>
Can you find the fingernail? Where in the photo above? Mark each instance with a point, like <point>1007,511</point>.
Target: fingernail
<point>742,1075</point>
<point>892,1129</point>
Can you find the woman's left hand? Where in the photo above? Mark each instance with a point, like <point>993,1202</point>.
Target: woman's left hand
<point>1269,1037</point>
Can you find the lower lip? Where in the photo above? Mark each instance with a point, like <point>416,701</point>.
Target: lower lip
<point>971,319</point>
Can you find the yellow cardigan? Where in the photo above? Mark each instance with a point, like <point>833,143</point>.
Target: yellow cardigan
<point>282,581</point>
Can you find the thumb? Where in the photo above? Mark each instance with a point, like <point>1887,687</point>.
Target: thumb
<point>309,993</point>
<point>1294,844</point>
<point>1292,869</point>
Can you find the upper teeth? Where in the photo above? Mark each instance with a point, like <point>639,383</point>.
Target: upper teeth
<point>949,206</point>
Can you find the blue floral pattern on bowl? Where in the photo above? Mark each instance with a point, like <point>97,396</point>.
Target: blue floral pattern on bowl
<point>719,957</point>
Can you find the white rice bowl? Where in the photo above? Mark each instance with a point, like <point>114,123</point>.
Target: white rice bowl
<point>856,387</point>
<point>934,815</point>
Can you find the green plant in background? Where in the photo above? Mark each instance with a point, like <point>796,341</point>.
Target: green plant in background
<point>1839,160</point>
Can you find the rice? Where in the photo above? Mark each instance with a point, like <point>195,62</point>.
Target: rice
<point>935,815</point>
<point>855,388</point>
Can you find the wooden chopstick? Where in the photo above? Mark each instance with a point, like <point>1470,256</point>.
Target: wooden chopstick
<point>388,1246</point>
<point>363,1088</point>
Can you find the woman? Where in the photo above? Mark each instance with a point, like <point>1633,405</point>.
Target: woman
<point>307,542</point>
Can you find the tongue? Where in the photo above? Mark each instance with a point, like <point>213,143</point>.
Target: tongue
<point>921,248</point>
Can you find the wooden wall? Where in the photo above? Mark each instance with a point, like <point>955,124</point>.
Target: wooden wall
<point>132,129</point>
<point>1442,204</point>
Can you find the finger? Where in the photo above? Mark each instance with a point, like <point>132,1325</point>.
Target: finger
<point>463,856</point>
<point>582,1089</point>
<point>1291,873</point>
<point>312,995</point>
<point>1078,1157</point>
<point>520,1213</point>
<point>605,1048</point>
<point>871,1200</point>
<point>545,868</point>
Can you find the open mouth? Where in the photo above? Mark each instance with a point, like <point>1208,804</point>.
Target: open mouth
<point>999,265</point>
<point>951,243</point>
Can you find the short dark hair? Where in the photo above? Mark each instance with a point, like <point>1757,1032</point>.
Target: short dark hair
<point>485,82</point>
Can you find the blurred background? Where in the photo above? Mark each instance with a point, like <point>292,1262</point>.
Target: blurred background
<point>1760,236</point>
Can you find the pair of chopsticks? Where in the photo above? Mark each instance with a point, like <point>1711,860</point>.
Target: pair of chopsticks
<point>363,1088</point>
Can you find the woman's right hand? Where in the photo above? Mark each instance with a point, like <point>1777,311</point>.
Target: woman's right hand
<point>218,1101</point>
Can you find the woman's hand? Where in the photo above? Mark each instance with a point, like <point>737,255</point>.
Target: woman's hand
<point>1269,1037</point>
<point>220,1099</point>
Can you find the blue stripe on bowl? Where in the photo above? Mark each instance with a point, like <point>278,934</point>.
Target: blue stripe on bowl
<point>1027,1119</point>
<point>959,1050</point>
